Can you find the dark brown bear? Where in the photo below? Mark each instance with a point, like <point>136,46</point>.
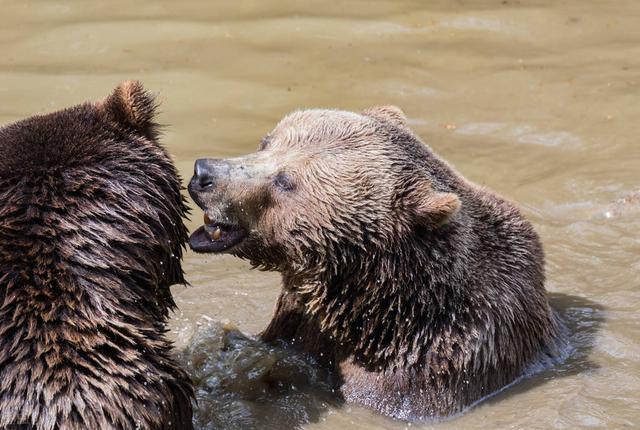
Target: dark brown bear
<point>424,291</point>
<point>91,237</point>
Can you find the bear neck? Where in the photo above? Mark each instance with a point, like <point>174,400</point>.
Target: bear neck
<point>61,310</point>
<point>83,308</point>
<point>376,308</point>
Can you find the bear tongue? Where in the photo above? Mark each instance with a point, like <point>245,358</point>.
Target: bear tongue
<point>216,238</point>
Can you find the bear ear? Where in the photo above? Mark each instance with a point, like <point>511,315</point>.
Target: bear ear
<point>130,105</point>
<point>432,208</point>
<point>389,114</point>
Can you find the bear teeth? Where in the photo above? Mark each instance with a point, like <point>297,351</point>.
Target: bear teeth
<point>214,232</point>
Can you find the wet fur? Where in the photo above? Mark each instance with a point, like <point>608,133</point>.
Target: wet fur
<point>423,291</point>
<point>91,237</point>
<point>439,316</point>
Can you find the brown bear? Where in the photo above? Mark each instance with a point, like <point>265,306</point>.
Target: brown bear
<point>91,237</point>
<point>423,291</point>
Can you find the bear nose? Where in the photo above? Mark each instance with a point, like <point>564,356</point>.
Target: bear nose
<point>202,174</point>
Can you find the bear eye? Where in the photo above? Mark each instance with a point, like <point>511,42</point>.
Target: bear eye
<point>283,182</point>
<point>264,142</point>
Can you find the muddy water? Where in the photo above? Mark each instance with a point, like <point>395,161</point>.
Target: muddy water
<point>539,100</point>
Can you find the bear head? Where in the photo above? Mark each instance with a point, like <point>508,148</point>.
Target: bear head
<point>323,187</point>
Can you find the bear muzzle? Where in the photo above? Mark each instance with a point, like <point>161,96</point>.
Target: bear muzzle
<point>219,232</point>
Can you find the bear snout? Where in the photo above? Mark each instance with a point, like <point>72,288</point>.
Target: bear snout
<point>206,178</point>
<point>203,174</point>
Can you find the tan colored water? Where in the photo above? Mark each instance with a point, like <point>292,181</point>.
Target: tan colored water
<point>539,100</point>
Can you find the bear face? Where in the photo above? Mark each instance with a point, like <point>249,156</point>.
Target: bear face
<point>322,183</point>
<point>91,237</point>
<point>423,291</point>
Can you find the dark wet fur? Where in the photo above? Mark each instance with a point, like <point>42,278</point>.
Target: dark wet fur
<point>91,237</point>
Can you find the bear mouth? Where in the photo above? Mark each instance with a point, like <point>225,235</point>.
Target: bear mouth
<point>216,236</point>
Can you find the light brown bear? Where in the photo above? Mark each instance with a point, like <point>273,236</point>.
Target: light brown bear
<point>423,291</point>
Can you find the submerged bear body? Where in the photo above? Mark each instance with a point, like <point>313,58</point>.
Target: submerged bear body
<point>423,291</point>
<point>91,236</point>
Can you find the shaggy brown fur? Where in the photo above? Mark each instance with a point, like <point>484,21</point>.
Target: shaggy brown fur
<point>422,290</point>
<point>91,237</point>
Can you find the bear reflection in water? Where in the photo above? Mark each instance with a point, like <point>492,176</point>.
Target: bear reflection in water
<point>242,382</point>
